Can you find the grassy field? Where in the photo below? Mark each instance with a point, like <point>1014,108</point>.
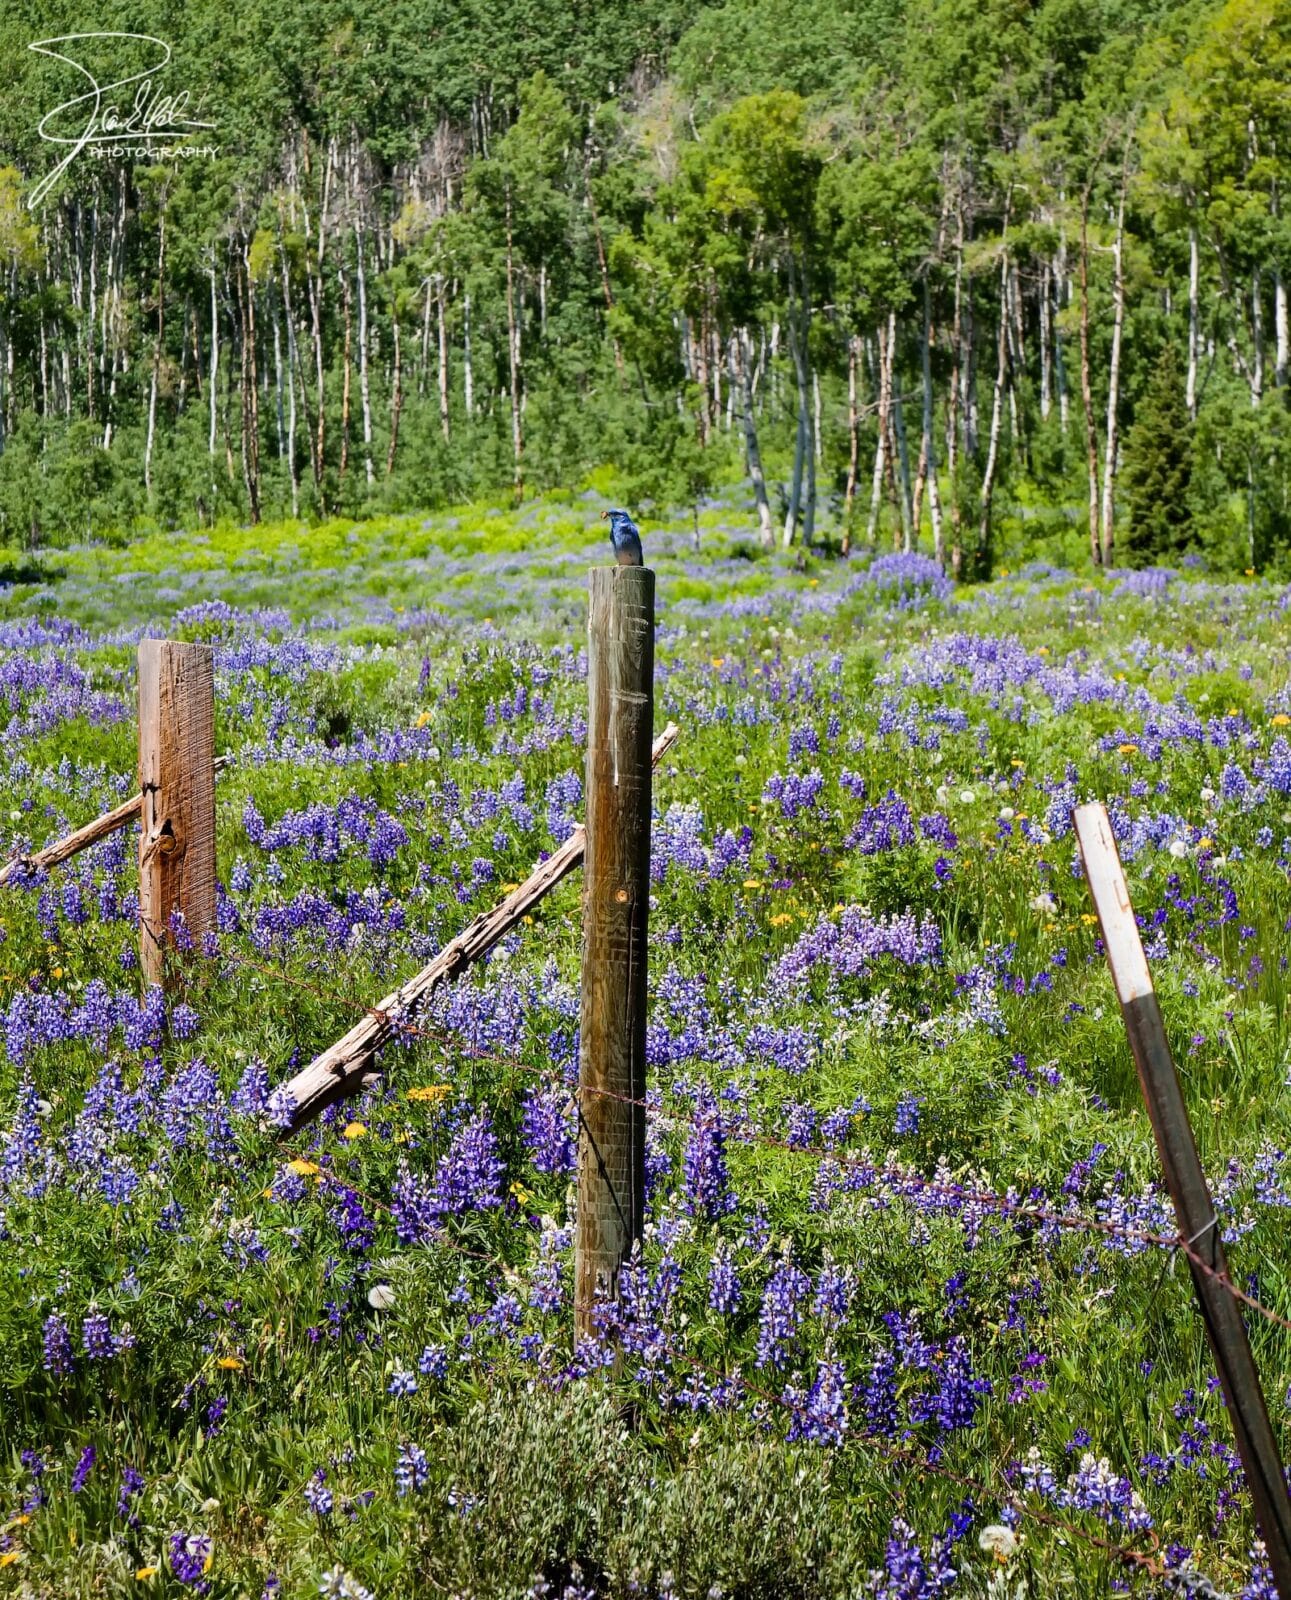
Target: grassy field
<point>871,1347</point>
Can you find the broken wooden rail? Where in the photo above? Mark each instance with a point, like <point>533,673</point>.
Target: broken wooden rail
<point>120,817</point>
<point>348,1065</point>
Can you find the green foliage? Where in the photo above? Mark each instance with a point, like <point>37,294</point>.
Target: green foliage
<point>1157,479</point>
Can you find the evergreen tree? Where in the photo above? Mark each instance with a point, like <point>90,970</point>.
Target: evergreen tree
<point>1158,469</point>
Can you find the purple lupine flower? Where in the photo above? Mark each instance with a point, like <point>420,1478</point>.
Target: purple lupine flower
<point>468,1177</point>
<point>433,1361</point>
<point>886,826</point>
<point>879,1396</point>
<point>907,1118</point>
<point>83,1468</point>
<point>317,1495</point>
<point>723,1282</point>
<point>548,1130</point>
<point>954,1404</point>
<point>781,1314</point>
<point>96,1337</point>
<point>909,1575</point>
<point>58,1357</point>
<point>820,1416</point>
<point>189,1553</point>
<point>833,1296</point>
<point>401,1384</point>
<point>356,1228</point>
<point>707,1187</point>
<point>412,1470</point>
<point>132,1482</point>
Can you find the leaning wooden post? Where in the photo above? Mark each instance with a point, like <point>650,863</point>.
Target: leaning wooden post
<point>1194,1211</point>
<point>177,786</point>
<point>616,899</point>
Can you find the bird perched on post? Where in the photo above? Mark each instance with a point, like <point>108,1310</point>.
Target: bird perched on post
<point>625,538</point>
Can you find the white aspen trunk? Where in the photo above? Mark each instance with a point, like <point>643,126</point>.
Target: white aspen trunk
<point>1114,383</point>
<point>740,355</point>
<point>881,448</point>
<point>1086,388</point>
<point>215,362</point>
<point>89,321</point>
<point>803,456</point>
<point>365,398</point>
<point>156,350</point>
<point>294,374</point>
<point>1257,340</point>
<point>815,397</point>
<point>277,389</point>
<point>971,421</point>
<point>424,358</point>
<point>443,360</point>
<point>1062,284</point>
<point>1046,378</point>
<point>467,381</point>
<point>513,341</point>
<point>997,409</point>
<point>905,503</point>
<point>853,437</point>
<point>929,449</point>
<point>1280,356</point>
<point>1194,320</point>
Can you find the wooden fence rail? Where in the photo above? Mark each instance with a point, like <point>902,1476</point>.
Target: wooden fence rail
<point>347,1066</point>
<point>73,843</point>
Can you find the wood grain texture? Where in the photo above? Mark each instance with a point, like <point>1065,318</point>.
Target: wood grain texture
<point>73,843</point>
<point>616,900</point>
<point>353,1060</point>
<point>177,795</point>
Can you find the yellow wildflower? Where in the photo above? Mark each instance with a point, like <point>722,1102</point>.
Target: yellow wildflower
<point>146,1572</point>
<point>431,1091</point>
<point>1281,720</point>
<point>355,1130</point>
<point>302,1168</point>
<point>1127,749</point>
<point>229,1363</point>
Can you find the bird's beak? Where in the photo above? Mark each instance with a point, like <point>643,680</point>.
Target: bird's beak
<point>604,514</point>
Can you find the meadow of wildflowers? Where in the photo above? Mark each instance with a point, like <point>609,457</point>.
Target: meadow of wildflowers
<point>903,1324</point>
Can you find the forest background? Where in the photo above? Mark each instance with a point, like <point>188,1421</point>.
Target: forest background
<point>985,277</point>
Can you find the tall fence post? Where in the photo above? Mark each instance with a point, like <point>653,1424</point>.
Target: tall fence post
<point>616,899</point>
<point>177,786</point>
<point>1193,1208</point>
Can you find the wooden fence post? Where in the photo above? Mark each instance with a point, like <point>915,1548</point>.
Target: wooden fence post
<point>177,785</point>
<point>616,899</point>
<point>1193,1208</point>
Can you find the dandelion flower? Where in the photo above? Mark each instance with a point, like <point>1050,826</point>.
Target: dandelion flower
<point>998,1541</point>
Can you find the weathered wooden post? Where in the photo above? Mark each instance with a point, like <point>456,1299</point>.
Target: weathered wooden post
<point>177,787</point>
<point>616,898</point>
<point>1199,1228</point>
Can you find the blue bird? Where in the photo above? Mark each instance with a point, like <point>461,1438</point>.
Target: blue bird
<point>626,539</point>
